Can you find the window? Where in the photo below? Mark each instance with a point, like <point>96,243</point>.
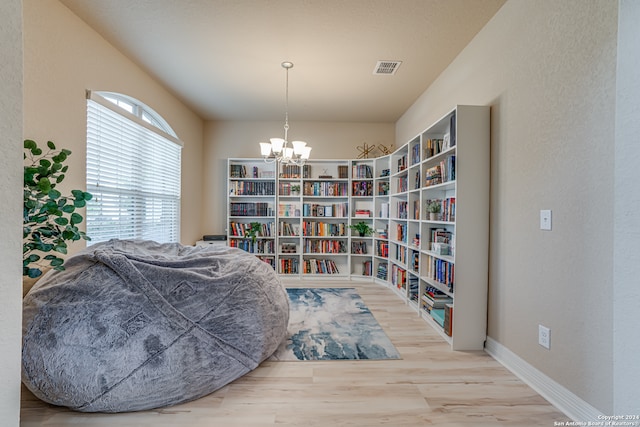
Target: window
<point>133,171</point>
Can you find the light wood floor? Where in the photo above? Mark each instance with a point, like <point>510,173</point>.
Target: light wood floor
<point>430,386</point>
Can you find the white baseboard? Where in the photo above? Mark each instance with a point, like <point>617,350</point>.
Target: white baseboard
<point>570,404</point>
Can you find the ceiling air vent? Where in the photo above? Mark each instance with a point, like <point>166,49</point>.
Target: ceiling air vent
<point>386,68</point>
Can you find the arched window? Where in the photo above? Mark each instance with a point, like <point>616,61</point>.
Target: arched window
<point>133,171</point>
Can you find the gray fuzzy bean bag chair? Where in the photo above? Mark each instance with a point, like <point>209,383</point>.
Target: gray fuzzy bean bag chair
<point>134,325</point>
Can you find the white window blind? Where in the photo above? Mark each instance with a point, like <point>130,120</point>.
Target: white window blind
<point>133,172</point>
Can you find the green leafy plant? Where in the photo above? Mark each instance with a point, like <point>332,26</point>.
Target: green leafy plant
<point>50,218</point>
<point>253,231</point>
<point>434,206</point>
<point>295,188</point>
<point>362,228</point>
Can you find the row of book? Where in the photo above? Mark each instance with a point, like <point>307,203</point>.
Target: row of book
<point>293,171</point>
<point>414,288</point>
<point>288,210</point>
<point>250,209</point>
<point>441,271</point>
<point>401,233</point>
<point>324,246</point>
<point>441,241</point>
<point>325,188</point>
<point>443,172</point>
<point>288,265</point>
<point>402,163</point>
<point>252,188</point>
<point>240,171</point>
<point>401,209</point>
<point>401,254</point>
<point>382,249</point>
<point>288,188</point>
<point>434,298</point>
<point>257,247</point>
<point>240,229</point>
<point>415,154</point>
<point>416,209</point>
<point>440,235</point>
<point>359,247</point>
<point>440,307</point>
<point>289,229</point>
<point>322,229</point>
<point>333,210</point>
<point>381,273</point>
<point>269,260</point>
<point>415,261</point>
<point>398,277</point>
<point>367,268</point>
<point>433,147</point>
<point>361,171</point>
<point>403,184</point>
<point>319,266</point>
<point>362,188</point>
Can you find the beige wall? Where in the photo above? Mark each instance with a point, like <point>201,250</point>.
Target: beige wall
<point>10,188</point>
<point>64,57</point>
<point>240,139</point>
<point>626,233</point>
<point>547,69</point>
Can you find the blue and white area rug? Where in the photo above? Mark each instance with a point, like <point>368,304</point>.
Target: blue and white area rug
<point>332,324</point>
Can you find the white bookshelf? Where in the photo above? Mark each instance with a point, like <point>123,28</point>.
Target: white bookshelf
<point>251,197</point>
<point>391,194</point>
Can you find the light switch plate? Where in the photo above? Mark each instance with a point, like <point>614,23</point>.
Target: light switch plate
<point>545,219</point>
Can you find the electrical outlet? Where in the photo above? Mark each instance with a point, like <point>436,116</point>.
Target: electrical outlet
<point>545,219</point>
<point>544,336</point>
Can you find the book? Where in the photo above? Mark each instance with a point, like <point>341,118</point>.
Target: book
<point>438,316</point>
<point>448,319</point>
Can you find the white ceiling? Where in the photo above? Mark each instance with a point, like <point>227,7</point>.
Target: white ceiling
<point>222,57</point>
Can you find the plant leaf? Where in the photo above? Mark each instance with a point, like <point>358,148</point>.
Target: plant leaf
<point>33,273</point>
<point>44,184</point>
<point>61,221</point>
<point>60,157</point>
<point>76,218</point>
<point>54,194</point>
<point>56,262</point>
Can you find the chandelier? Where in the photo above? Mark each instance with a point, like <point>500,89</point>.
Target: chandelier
<point>278,149</point>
